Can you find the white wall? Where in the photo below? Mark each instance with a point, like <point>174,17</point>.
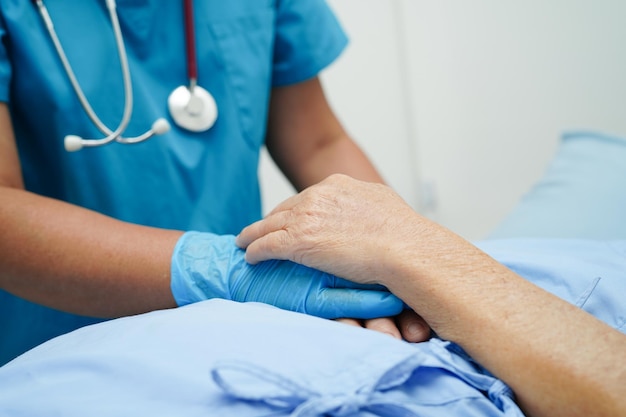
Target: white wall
<point>461,104</point>
<point>495,83</point>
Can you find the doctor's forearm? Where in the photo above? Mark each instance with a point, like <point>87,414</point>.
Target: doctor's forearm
<point>338,155</point>
<point>342,156</point>
<point>307,141</point>
<point>79,261</point>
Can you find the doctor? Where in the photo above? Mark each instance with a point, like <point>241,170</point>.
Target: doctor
<point>126,126</point>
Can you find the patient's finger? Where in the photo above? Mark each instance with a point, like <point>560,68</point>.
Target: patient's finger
<point>383,325</point>
<point>351,322</point>
<point>259,229</point>
<point>265,239</point>
<point>413,327</point>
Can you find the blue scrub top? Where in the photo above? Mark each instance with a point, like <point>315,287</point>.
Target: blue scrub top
<point>181,180</point>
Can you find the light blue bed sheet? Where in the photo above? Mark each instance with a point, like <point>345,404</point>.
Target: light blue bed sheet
<point>221,358</point>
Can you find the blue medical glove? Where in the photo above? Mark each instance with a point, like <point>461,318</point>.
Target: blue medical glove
<point>207,266</point>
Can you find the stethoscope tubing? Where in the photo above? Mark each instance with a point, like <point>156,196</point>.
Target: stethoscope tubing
<point>190,44</point>
<point>192,107</point>
<point>111,135</point>
<point>74,142</point>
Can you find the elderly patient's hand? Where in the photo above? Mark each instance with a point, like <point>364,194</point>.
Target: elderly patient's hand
<point>349,228</point>
<point>345,227</point>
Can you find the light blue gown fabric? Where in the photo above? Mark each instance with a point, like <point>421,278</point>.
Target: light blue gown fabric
<point>187,181</point>
<point>226,359</point>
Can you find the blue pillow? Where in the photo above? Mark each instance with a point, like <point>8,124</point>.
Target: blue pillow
<point>221,358</point>
<point>582,194</point>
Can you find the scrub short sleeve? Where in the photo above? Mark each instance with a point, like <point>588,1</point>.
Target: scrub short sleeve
<point>5,65</point>
<point>308,38</point>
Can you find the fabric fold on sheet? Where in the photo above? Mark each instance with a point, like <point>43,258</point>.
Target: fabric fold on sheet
<point>245,381</point>
<point>300,401</point>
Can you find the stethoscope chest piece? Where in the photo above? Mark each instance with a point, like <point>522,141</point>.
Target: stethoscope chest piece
<point>193,109</point>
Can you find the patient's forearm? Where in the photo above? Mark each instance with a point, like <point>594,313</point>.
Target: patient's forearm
<point>558,359</point>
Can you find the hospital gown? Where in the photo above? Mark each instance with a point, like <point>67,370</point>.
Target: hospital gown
<point>221,358</point>
<point>182,180</point>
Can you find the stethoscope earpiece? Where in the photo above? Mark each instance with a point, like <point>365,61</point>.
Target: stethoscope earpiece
<point>75,143</point>
<point>160,126</point>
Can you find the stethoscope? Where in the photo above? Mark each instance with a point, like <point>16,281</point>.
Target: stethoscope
<point>191,107</point>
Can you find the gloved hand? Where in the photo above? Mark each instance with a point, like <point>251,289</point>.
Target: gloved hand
<point>207,266</point>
